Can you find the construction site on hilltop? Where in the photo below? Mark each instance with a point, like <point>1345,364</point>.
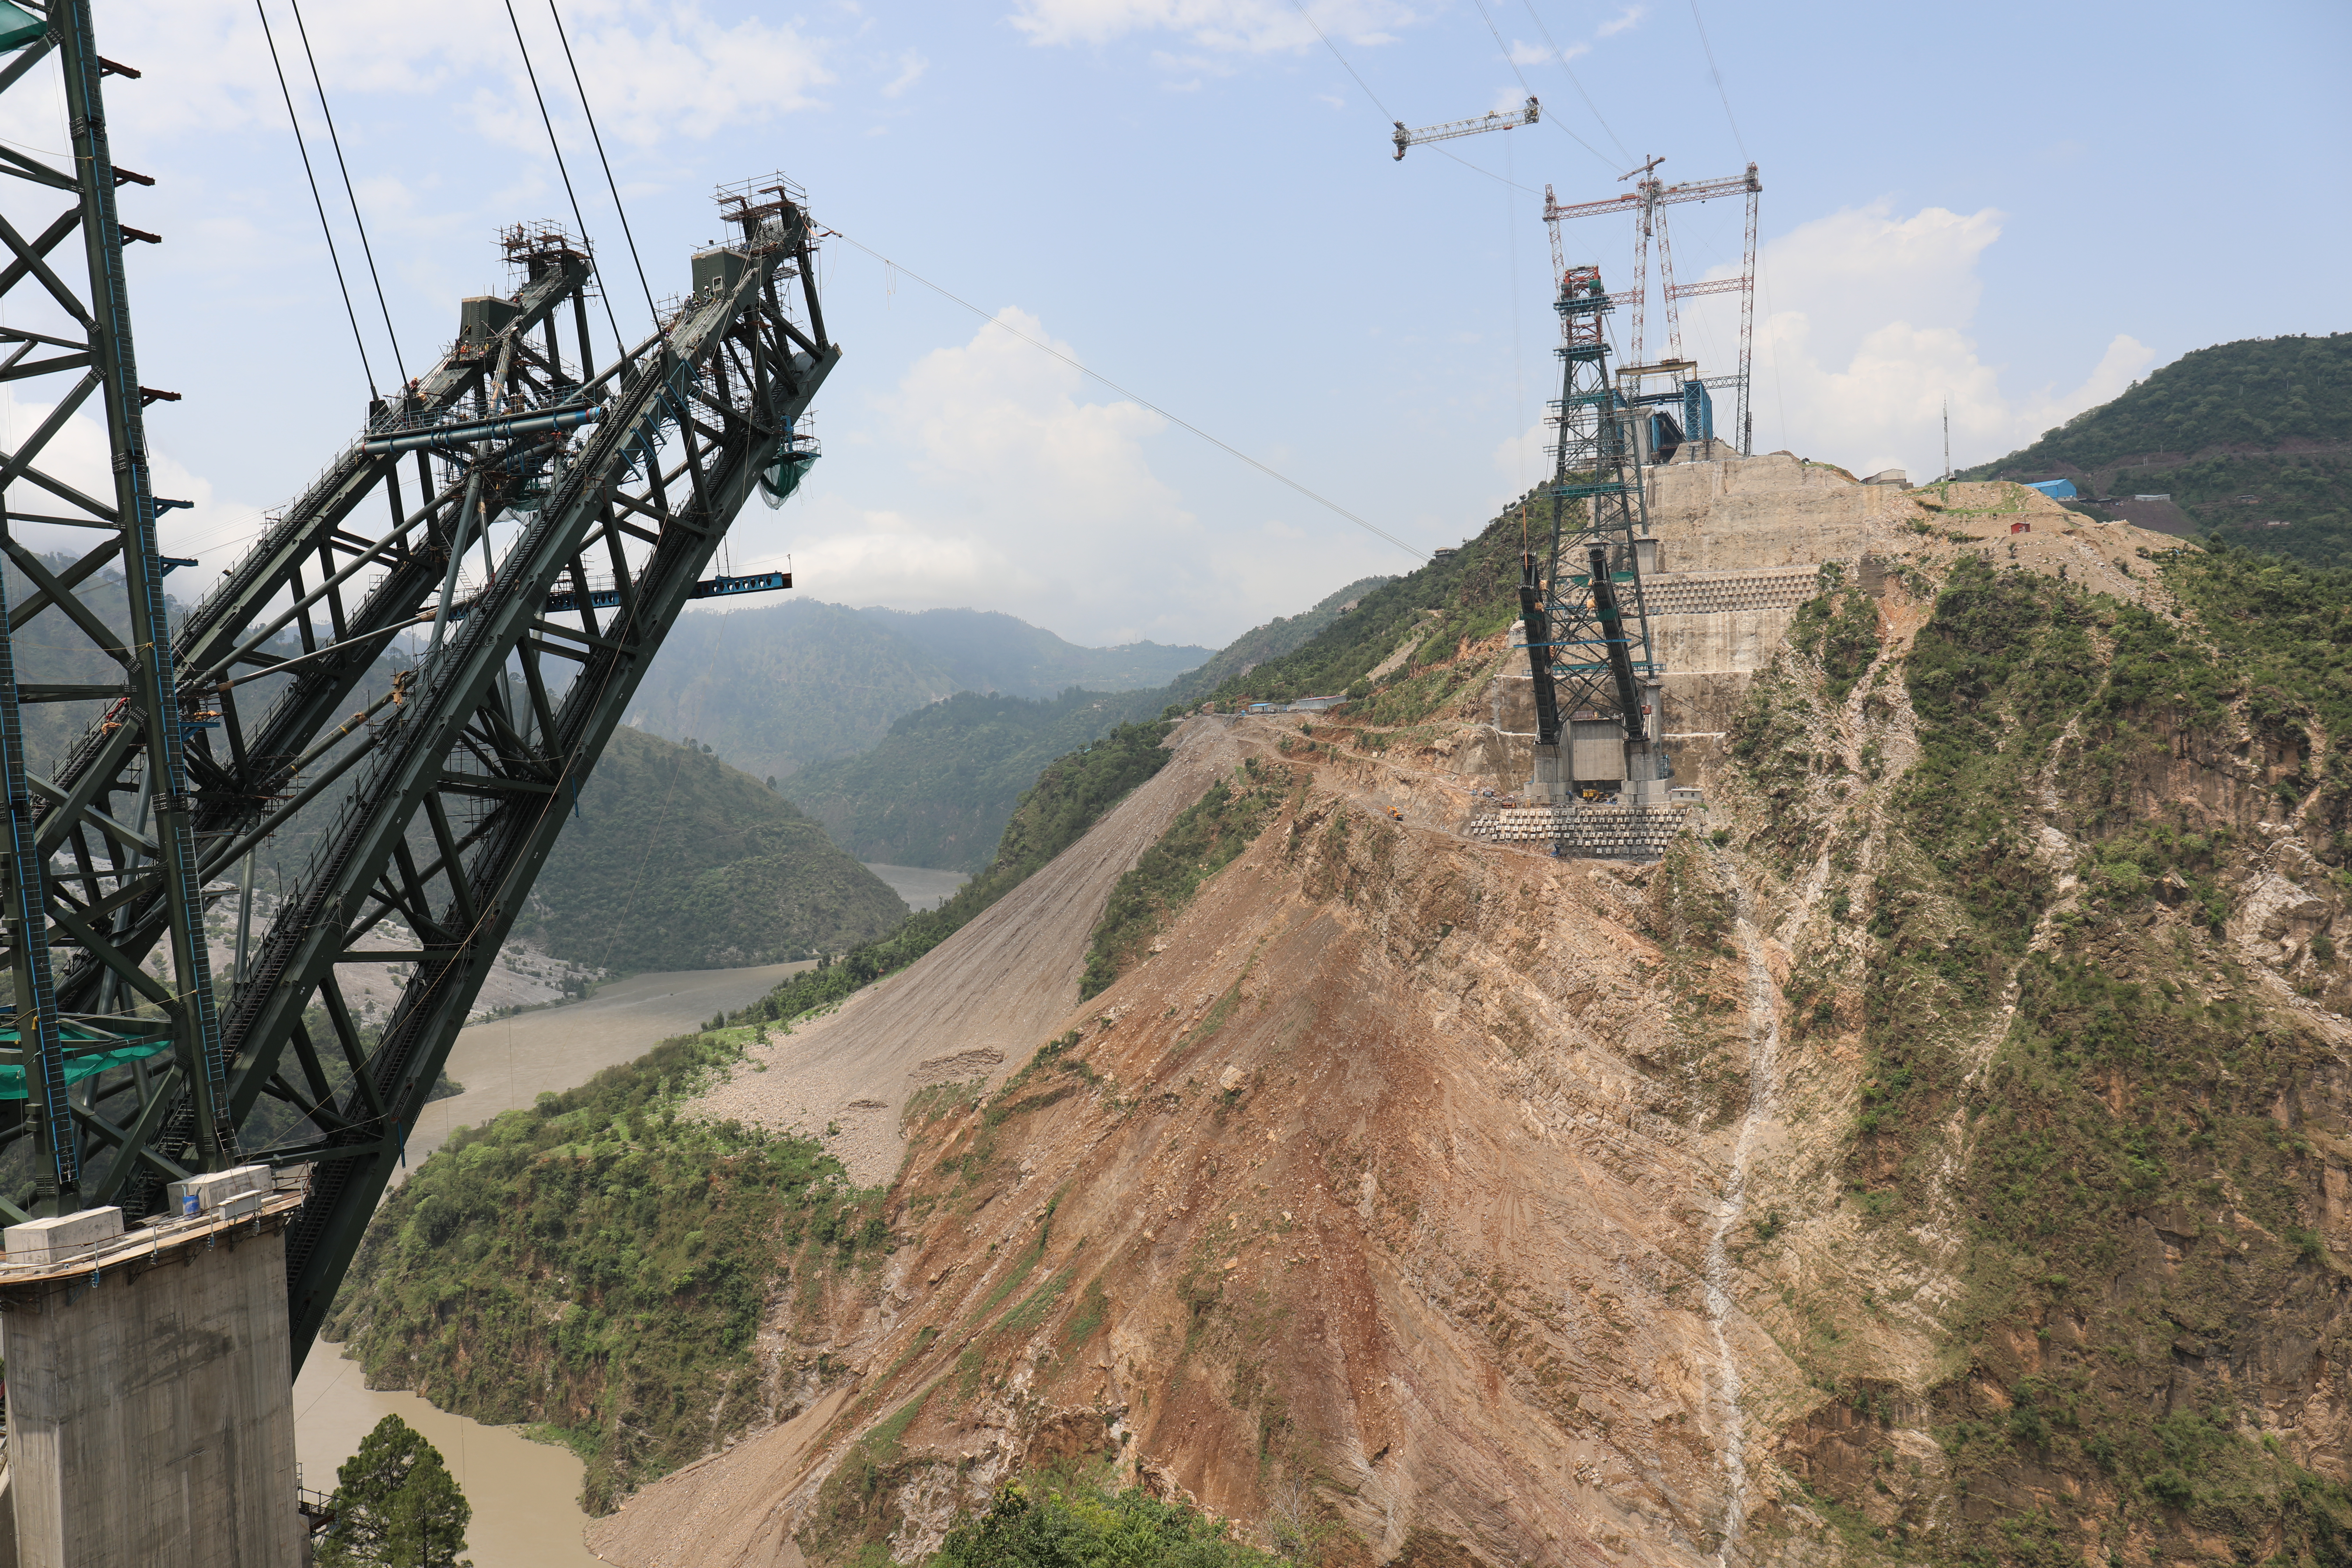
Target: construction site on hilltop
<point>1763,1016</point>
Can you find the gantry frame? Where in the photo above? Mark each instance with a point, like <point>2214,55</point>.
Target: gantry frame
<point>429,791</point>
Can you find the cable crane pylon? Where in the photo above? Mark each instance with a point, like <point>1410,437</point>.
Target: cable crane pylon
<point>1493,119</point>
<point>1646,202</point>
<point>1582,601</point>
<point>428,797</point>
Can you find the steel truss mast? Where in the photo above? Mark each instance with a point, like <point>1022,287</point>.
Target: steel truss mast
<point>542,520</point>
<point>1581,599</point>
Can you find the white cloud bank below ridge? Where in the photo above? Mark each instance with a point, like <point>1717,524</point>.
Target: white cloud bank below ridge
<point>1862,331</point>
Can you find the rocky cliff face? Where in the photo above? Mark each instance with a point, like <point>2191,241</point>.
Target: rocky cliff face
<point>1939,1153</point>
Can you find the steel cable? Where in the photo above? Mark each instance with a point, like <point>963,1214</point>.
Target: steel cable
<point>610,185</point>
<point>1227,448</point>
<point>572,197</point>
<point>325,228</point>
<point>357,222</point>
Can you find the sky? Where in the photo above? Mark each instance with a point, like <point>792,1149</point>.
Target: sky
<point>2014,209</point>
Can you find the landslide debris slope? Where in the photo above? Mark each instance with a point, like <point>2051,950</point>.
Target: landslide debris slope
<point>1939,1155</point>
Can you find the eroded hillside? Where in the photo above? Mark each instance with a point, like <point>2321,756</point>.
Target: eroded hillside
<point>1939,1154</point>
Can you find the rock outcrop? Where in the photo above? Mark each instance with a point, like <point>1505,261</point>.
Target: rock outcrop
<point>1937,1151</point>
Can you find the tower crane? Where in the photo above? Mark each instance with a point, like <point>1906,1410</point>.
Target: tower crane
<point>1493,119</point>
<point>1646,202</point>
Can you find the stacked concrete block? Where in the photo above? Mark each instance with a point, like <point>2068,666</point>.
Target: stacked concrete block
<point>63,1238</point>
<point>229,1194</point>
<point>1586,832</point>
<point>1725,592</point>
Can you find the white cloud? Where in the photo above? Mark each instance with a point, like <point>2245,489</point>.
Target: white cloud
<point>911,67</point>
<point>1528,54</point>
<point>1631,17</point>
<point>1862,331</point>
<point>1247,26</point>
<point>652,71</point>
<point>1015,494</point>
<point>213,529</point>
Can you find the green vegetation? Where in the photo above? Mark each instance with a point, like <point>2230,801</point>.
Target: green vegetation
<point>940,787</point>
<point>2132,1089</point>
<point>1070,796</point>
<point>1271,641</point>
<point>1838,630</point>
<point>599,1267</point>
<point>1468,595</point>
<point>1037,1525</point>
<point>2255,393</point>
<point>395,1505</point>
<point>678,861</point>
<point>1204,838</point>
<point>2240,436</point>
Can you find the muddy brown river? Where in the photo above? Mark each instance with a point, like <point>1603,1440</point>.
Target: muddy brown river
<point>525,1494</point>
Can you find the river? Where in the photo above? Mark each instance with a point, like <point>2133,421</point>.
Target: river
<point>525,1494</point>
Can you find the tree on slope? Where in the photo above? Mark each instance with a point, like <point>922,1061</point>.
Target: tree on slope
<point>396,1505</point>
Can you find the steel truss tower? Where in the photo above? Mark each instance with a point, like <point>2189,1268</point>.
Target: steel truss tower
<point>1587,624</point>
<point>1646,203</point>
<point>545,520</point>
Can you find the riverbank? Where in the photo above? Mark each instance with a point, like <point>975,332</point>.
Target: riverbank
<point>525,1494</point>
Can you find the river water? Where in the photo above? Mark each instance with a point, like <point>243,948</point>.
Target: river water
<point>525,1494</point>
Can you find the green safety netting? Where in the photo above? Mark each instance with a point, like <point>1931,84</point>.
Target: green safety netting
<point>782,478</point>
<point>18,26</point>
<point>86,1052</point>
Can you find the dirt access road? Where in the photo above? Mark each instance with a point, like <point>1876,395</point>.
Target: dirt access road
<point>977,1004</point>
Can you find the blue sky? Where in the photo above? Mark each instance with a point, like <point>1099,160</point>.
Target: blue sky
<point>2020,207</point>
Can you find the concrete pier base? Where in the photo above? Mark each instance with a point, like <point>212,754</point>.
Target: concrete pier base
<point>151,1397</point>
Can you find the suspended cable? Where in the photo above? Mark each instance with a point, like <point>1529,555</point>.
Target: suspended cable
<point>544,119</point>
<point>357,222</point>
<point>1376,99</point>
<point>1341,58</point>
<point>1575,81</point>
<point>610,183</point>
<point>1230,451</point>
<point>325,228</point>
<point>1530,91</point>
<point>1715,71</point>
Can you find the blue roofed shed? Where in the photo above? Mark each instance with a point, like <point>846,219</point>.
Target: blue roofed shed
<point>2056,490</point>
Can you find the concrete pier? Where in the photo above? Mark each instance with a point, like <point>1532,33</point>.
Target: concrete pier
<point>150,1388</point>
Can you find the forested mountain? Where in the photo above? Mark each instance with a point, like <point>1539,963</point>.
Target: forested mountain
<point>679,861</point>
<point>938,789</point>
<point>2253,440</point>
<point>990,651</point>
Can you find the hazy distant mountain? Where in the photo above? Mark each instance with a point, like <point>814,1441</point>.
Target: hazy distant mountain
<point>938,789</point>
<point>989,651</point>
<point>775,689</point>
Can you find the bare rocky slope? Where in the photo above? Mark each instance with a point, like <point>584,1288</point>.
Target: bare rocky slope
<point>1939,1155</point>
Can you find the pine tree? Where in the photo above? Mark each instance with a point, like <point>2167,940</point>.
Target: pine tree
<point>396,1505</point>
